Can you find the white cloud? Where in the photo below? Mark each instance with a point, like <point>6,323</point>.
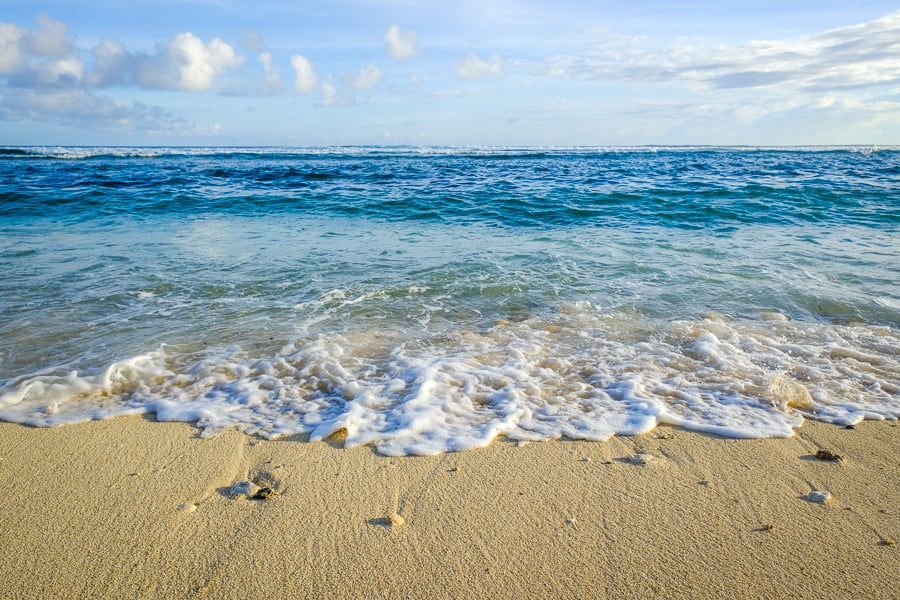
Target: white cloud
<point>329,94</point>
<point>10,48</point>
<point>81,108</point>
<point>68,68</point>
<point>50,39</point>
<point>842,74</point>
<point>45,57</point>
<point>37,59</point>
<point>272,84</point>
<point>367,79</point>
<point>858,56</point>
<point>306,81</point>
<point>44,78</point>
<point>112,64</point>
<point>402,44</point>
<point>187,63</point>
<point>474,67</point>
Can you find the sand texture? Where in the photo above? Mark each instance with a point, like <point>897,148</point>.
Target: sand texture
<point>131,508</point>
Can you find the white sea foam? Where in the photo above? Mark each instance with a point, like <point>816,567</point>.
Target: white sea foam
<point>577,373</point>
<point>82,152</point>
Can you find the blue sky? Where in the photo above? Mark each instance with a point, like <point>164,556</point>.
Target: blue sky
<point>488,72</point>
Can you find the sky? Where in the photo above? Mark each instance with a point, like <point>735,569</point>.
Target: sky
<point>449,73</point>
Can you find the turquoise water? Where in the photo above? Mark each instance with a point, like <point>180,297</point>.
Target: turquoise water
<point>431,299</point>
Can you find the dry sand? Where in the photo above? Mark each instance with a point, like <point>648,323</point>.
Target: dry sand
<point>131,508</point>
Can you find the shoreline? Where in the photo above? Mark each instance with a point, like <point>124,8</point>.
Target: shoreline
<point>130,507</point>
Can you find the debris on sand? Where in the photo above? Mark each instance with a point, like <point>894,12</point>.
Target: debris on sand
<point>396,520</point>
<point>823,454</point>
<point>820,496</point>
<point>260,486</point>
<point>263,493</point>
<point>244,487</point>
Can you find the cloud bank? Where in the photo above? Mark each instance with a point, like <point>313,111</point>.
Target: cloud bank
<point>852,70</point>
<point>858,56</point>
<point>43,75</point>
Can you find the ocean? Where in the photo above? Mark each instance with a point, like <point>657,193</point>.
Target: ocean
<point>428,300</point>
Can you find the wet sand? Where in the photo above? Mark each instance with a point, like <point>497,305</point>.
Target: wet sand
<point>132,508</point>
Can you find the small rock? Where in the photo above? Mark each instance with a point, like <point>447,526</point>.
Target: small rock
<point>768,527</point>
<point>573,522</point>
<point>823,454</point>
<point>641,459</point>
<point>585,459</point>
<point>244,487</point>
<point>888,543</point>
<point>396,520</point>
<point>820,496</point>
<point>187,507</point>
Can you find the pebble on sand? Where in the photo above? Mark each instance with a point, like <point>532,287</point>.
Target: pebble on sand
<point>820,496</point>
<point>396,520</point>
<point>244,487</point>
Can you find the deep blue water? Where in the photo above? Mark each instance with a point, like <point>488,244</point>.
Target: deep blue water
<point>690,188</point>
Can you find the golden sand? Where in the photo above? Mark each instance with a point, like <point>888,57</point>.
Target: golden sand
<point>131,508</point>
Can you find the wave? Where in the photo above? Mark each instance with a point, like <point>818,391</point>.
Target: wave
<point>578,374</point>
<point>500,152</point>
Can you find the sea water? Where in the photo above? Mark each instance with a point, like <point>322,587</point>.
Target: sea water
<point>427,300</point>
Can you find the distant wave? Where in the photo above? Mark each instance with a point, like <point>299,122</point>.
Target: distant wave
<point>90,152</point>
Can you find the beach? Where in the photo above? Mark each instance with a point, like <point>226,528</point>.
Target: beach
<point>415,372</point>
<point>391,300</point>
<point>134,508</point>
